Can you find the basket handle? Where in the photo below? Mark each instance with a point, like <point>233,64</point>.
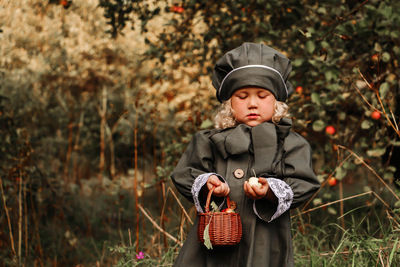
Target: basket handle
<point>207,208</point>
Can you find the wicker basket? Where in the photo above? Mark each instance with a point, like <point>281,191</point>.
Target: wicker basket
<point>225,227</point>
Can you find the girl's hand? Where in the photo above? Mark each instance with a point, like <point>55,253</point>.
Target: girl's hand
<point>221,188</point>
<point>257,192</point>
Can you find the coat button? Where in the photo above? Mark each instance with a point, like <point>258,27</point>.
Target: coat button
<point>239,173</point>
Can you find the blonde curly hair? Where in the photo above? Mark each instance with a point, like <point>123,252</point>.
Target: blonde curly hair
<point>225,118</point>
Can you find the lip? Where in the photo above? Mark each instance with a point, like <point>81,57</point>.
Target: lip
<point>253,116</point>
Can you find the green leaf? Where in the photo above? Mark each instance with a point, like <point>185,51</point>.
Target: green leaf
<point>377,47</point>
<point>391,168</point>
<point>384,89</point>
<point>315,98</point>
<point>214,207</point>
<point>328,75</point>
<point>325,44</point>
<point>388,175</point>
<point>332,211</point>
<point>396,50</point>
<point>395,143</point>
<point>321,10</point>
<point>206,235</point>
<point>310,46</point>
<point>297,62</point>
<point>394,34</point>
<point>366,188</point>
<point>377,152</point>
<point>317,201</point>
<point>206,124</point>
<point>386,11</point>
<point>394,249</point>
<point>340,173</point>
<point>385,57</point>
<point>366,124</point>
<point>321,177</point>
<point>318,125</point>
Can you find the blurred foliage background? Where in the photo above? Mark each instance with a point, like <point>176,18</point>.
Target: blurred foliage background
<point>99,98</point>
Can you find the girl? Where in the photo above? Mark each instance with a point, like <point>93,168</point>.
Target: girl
<point>252,136</point>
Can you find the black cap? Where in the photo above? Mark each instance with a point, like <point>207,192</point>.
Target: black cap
<point>255,65</point>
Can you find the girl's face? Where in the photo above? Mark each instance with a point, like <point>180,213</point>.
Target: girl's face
<point>253,105</point>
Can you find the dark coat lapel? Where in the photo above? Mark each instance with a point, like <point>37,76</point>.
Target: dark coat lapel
<point>265,141</point>
<point>264,147</point>
<point>233,141</point>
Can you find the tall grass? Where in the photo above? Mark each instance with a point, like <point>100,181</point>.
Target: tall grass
<point>370,236</point>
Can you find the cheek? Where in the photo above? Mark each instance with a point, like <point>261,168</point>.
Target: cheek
<point>236,106</point>
<point>269,107</point>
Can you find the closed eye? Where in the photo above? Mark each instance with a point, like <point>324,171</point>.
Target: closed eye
<point>263,95</point>
<point>241,95</point>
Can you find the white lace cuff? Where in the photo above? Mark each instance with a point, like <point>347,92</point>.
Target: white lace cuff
<point>284,194</point>
<point>199,182</point>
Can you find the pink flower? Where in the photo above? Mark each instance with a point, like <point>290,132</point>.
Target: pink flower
<point>140,255</point>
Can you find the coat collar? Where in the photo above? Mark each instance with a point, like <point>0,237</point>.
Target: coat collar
<point>261,140</point>
<point>264,141</point>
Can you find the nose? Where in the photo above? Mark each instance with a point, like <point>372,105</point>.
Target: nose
<point>252,102</point>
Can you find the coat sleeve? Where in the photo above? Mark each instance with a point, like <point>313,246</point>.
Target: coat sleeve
<point>297,182</point>
<point>297,169</point>
<point>194,167</point>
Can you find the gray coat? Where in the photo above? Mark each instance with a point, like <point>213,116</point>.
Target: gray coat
<point>271,151</point>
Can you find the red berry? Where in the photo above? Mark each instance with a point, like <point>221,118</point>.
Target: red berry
<point>299,90</point>
<point>375,57</point>
<point>332,181</point>
<point>330,130</point>
<point>376,115</point>
<point>177,9</point>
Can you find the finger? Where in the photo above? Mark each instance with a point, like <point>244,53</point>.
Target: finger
<point>262,181</point>
<point>214,180</point>
<point>246,190</point>
<point>260,191</point>
<point>250,190</point>
<point>217,190</point>
<point>221,188</point>
<point>210,185</point>
<point>256,192</point>
<point>224,189</point>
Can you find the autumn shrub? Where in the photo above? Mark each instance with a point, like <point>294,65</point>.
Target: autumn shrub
<point>345,76</point>
<point>345,67</point>
<point>68,102</point>
<point>87,87</point>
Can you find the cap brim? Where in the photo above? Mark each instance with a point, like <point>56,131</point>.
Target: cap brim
<point>257,77</point>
